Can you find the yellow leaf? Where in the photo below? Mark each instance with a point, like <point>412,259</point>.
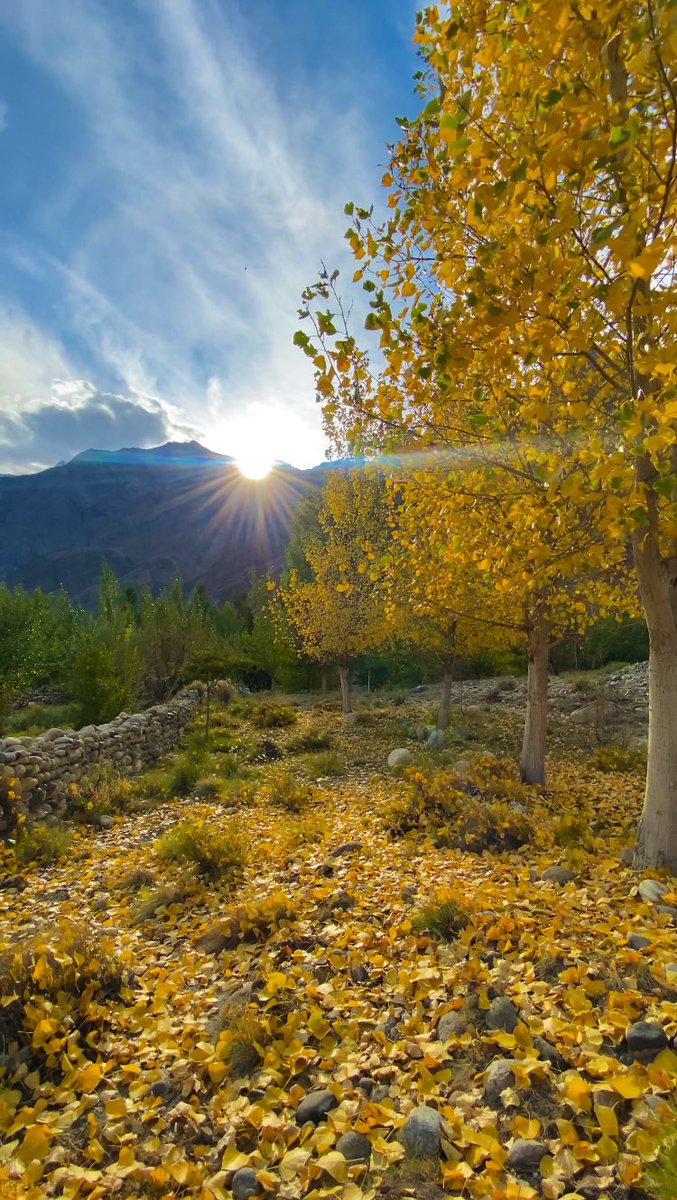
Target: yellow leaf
<point>607,1120</point>
<point>234,1160</point>
<point>335,1165</point>
<point>35,1144</point>
<point>629,1086</point>
<point>89,1078</point>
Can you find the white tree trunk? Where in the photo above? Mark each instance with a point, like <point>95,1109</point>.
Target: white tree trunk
<point>536,722</point>
<point>344,679</point>
<point>657,832</point>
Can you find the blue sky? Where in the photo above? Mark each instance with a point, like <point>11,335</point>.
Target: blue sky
<point>173,173</point>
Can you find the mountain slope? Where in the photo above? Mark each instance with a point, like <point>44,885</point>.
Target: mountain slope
<point>150,514</point>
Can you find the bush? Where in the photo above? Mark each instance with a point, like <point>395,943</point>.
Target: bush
<point>326,763</point>
<point>310,741</point>
<point>213,849</point>
<point>623,759</point>
<point>157,900</point>
<point>101,790</point>
<point>285,791</point>
<point>572,831</point>
<point>251,923</point>
<point>268,715</point>
<point>208,788</point>
<point>442,918</point>
<point>661,1176</point>
<point>43,844</point>
<point>185,772</point>
<point>241,1044</point>
<point>36,718</point>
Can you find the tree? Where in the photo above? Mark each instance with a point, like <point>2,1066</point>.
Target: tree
<point>334,607</point>
<point>209,666</point>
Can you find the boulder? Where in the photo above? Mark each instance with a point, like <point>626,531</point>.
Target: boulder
<point>245,1184</point>
<point>354,1147</point>
<point>437,739</point>
<point>525,1156</point>
<point>502,1014</point>
<point>651,891</point>
<point>498,1076</point>
<point>399,757</point>
<point>452,1024</point>
<point>421,1134</point>
<point>558,874</point>
<point>645,1040</point>
<point>315,1106</point>
<point>638,941</point>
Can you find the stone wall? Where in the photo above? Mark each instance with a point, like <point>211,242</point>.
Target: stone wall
<point>35,773</point>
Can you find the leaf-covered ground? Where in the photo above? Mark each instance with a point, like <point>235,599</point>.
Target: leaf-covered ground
<point>170,1026</point>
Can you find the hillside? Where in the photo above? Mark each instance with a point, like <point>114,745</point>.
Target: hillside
<point>150,514</point>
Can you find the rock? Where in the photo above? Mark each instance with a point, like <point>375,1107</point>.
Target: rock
<point>558,874</point>
<point>652,891</point>
<point>342,901</point>
<point>452,1024</point>
<point>354,1147</point>
<point>524,1156</point>
<point>627,856</point>
<point>245,1184</point>
<point>346,848</point>
<point>160,1088</point>
<point>315,1106</point>
<point>499,1075</point>
<point>637,941</point>
<point>437,739</point>
<point>550,1054</point>
<point>350,718</point>
<point>502,1014</point>
<point>358,973</point>
<point>399,757</point>
<point>669,910</point>
<point>421,733</point>
<point>10,883</point>
<point>421,1134</point>
<point>646,1039</point>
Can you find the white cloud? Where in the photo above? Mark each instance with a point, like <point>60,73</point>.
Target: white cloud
<point>224,194</point>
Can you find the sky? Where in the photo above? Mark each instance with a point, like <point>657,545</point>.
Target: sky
<point>173,174</point>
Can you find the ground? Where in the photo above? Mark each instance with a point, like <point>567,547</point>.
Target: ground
<point>170,1024</point>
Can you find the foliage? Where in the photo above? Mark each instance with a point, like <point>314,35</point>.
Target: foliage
<point>214,848</point>
<point>42,844</point>
<point>283,790</point>
<point>36,718</point>
<point>310,741</point>
<point>323,763</point>
<point>662,1173</point>
<point>619,758</point>
<point>442,918</point>
<point>269,715</point>
<point>102,790</point>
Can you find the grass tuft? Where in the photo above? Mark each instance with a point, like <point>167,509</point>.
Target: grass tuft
<point>42,844</point>
<point>442,918</point>
<point>213,849</point>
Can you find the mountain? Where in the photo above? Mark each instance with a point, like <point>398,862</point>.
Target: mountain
<point>149,514</point>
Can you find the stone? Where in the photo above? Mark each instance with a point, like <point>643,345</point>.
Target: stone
<point>637,941</point>
<point>550,1054</point>
<point>421,1134</point>
<point>502,1014</point>
<point>346,848</point>
<point>354,1147</point>
<point>9,883</point>
<point>498,1076</point>
<point>421,733</point>
<point>245,1184</point>
<point>350,718</point>
<point>161,1089</point>
<point>525,1156</point>
<point>315,1106</point>
<point>399,757</point>
<point>558,874</point>
<point>651,891</point>
<point>342,901</point>
<point>669,910</point>
<point>359,973</point>
<point>646,1039</point>
<point>437,739</point>
<point>106,821</point>
<point>627,856</point>
<point>452,1024</point>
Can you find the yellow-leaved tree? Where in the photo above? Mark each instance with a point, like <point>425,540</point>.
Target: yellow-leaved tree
<point>334,605</point>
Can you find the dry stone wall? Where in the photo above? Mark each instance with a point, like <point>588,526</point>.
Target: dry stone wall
<point>36,773</point>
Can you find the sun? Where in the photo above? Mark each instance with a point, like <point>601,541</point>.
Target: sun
<point>253,465</point>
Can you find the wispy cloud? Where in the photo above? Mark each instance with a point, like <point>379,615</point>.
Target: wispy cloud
<point>219,187</point>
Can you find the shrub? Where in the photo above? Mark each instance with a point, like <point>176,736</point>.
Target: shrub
<point>312,827</point>
<point>310,741</point>
<point>327,762</point>
<point>248,923</point>
<point>102,790</point>
<point>268,715</point>
<point>161,898</point>
<point>43,844</point>
<point>135,879</point>
<point>572,831</point>
<point>442,918</point>
<point>242,1041</point>
<point>36,718</point>
<point>266,751</point>
<point>284,790</point>
<point>213,849</point>
<point>661,1176</point>
<point>208,788</point>
<point>623,759</point>
<point>184,774</point>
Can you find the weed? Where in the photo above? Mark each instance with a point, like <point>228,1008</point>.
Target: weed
<point>442,918</point>
<point>135,879</point>
<point>183,776</point>
<point>662,1174</point>
<point>161,898</point>
<point>623,759</point>
<point>284,791</point>
<point>569,832</point>
<point>242,1041</point>
<point>310,741</point>
<point>102,790</point>
<point>34,719</point>
<point>269,715</point>
<point>311,828</point>
<point>43,844</point>
<point>214,849</point>
<point>208,788</point>
<point>326,763</point>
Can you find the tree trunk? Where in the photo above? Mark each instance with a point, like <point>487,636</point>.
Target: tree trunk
<point>443,712</point>
<point>344,680</point>
<point>657,832</point>
<point>535,725</point>
<point>208,711</point>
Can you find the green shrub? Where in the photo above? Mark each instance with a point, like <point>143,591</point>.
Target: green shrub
<point>102,790</point>
<point>623,759</point>
<point>661,1176</point>
<point>310,741</point>
<point>326,763</point>
<point>284,790</point>
<point>208,788</point>
<point>186,770</point>
<point>268,715</point>
<point>43,844</point>
<point>569,832</point>
<point>442,918</point>
<point>36,718</point>
<point>213,849</point>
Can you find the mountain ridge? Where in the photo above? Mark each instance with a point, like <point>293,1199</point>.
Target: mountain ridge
<point>150,513</point>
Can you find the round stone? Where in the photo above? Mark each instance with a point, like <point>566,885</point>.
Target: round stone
<point>315,1106</point>
<point>525,1156</point>
<point>421,1134</point>
<point>245,1184</point>
<point>502,1014</point>
<point>354,1147</point>
<point>399,757</point>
